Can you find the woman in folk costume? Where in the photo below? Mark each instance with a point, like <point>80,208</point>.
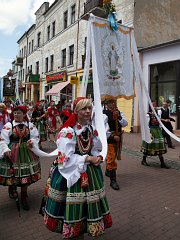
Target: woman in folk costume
<point>9,108</point>
<point>76,201</point>
<point>53,122</point>
<point>19,166</point>
<point>157,147</point>
<point>4,116</point>
<point>39,120</point>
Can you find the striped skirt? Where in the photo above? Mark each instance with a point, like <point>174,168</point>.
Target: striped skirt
<point>75,210</point>
<point>23,168</point>
<point>157,146</point>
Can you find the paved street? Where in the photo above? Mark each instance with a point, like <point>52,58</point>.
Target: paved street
<point>147,207</point>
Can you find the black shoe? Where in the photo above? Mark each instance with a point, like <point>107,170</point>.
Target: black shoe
<point>24,202</point>
<point>164,166</point>
<point>107,173</point>
<point>12,191</point>
<point>114,185</point>
<point>171,147</point>
<point>144,163</point>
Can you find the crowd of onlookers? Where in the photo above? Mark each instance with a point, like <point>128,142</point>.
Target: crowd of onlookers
<point>49,113</point>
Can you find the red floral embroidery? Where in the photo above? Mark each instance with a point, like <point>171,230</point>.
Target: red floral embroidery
<point>95,132</point>
<point>79,126</point>
<point>77,229</point>
<point>50,223</point>
<point>61,159</point>
<point>107,221</point>
<point>69,135</point>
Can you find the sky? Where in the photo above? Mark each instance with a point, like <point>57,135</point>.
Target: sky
<point>16,16</point>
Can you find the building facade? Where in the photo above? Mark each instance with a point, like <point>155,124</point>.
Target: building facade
<point>52,51</point>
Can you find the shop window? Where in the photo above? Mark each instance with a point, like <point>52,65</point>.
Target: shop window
<point>163,78</point>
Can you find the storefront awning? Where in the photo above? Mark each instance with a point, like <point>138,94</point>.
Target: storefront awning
<point>57,88</point>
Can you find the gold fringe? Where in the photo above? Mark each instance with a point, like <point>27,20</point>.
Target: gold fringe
<point>101,25</point>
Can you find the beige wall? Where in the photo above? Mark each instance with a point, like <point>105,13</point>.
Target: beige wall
<point>156,21</point>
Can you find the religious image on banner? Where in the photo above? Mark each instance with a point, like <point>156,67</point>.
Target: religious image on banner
<point>114,60</point>
<point>8,87</point>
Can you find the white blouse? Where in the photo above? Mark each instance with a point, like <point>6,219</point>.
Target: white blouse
<point>7,131</point>
<point>71,164</point>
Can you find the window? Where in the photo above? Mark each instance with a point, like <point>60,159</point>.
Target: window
<point>73,11</point>
<point>63,57</point>
<point>29,47</point>
<point>22,53</point>
<point>163,79</point>
<point>32,45</point>
<point>30,70</point>
<point>53,29</point>
<point>51,62</point>
<point>71,54</point>
<point>38,39</point>
<point>23,75</point>
<point>65,19</point>
<point>37,67</point>
<point>46,64</point>
<point>48,33</point>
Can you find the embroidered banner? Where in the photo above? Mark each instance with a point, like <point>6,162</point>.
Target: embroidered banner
<point>114,60</point>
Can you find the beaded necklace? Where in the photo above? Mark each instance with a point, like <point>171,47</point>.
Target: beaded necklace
<point>21,132</point>
<point>84,141</point>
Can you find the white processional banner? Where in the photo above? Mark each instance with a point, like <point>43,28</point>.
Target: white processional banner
<point>114,60</point>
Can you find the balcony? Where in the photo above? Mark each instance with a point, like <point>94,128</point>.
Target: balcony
<point>95,7</point>
<point>33,78</point>
<point>19,61</point>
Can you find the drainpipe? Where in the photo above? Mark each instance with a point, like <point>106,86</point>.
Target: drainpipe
<point>74,94</point>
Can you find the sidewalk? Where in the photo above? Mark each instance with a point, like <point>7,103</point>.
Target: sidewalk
<point>147,207</point>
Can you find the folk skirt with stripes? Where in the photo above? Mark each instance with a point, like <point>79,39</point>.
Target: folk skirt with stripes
<point>76,210</point>
<point>157,146</point>
<point>22,169</point>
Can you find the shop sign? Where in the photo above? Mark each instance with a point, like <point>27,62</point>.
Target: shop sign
<point>74,80</point>
<point>56,77</point>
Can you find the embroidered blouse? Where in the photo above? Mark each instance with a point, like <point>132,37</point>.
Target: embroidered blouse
<point>7,132</point>
<point>71,164</point>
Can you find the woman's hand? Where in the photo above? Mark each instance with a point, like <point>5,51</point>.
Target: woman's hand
<point>29,144</point>
<point>94,160</point>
